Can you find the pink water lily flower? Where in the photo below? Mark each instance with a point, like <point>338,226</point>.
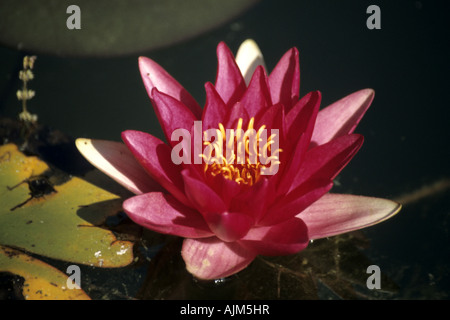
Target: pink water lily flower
<point>227,210</point>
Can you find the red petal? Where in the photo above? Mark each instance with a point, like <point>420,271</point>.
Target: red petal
<point>215,109</point>
<point>284,80</point>
<point>291,160</point>
<point>226,189</point>
<point>172,114</point>
<point>299,126</point>
<point>236,112</point>
<point>154,76</point>
<point>211,258</point>
<point>163,213</point>
<point>285,238</point>
<point>272,117</point>
<point>115,160</point>
<point>341,117</point>
<point>228,226</point>
<point>229,81</point>
<point>257,96</point>
<point>296,201</point>
<point>326,161</point>
<point>202,196</point>
<point>231,226</point>
<point>155,156</point>
<point>339,213</point>
<point>302,117</point>
<point>253,201</point>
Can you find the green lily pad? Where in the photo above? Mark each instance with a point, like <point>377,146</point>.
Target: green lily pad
<point>109,27</point>
<point>41,281</point>
<point>60,221</point>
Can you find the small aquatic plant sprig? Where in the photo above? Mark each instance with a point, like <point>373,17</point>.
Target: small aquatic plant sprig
<point>26,94</point>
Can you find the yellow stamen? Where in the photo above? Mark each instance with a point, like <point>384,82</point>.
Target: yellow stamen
<point>242,166</point>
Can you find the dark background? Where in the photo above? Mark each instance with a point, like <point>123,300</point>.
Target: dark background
<point>406,151</point>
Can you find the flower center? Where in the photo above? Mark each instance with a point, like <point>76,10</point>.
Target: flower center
<point>241,155</point>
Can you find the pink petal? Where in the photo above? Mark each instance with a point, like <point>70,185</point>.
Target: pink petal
<point>226,189</point>
<point>211,258</point>
<point>172,114</point>
<point>115,160</point>
<point>285,238</point>
<point>299,126</point>
<point>202,196</point>
<point>272,117</point>
<point>154,76</point>
<point>339,213</point>
<point>226,225</point>
<point>253,201</point>
<point>326,161</point>
<point>229,81</point>
<point>296,201</point>
<point>302,117</point>
<point>231,226</point>
<point>155,156</point>
<point>163,213</point>
<point>291,162</point>
<point>236,112</point>
<point>284,80</point>
<point>341,117</point>
<point>215,109</point>
<point>257,96</point>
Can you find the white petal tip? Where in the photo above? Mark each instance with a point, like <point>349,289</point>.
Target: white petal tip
<point>248,58</point>
<point>82,144</point>
<point>115,160</point>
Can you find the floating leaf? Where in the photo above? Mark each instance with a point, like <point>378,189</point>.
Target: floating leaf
<point>61,224</point>
<point>41,281</point>
<point>109,27</point>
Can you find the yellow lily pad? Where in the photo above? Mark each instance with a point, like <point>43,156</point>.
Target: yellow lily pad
<point>41,281</point>
<point>60,221</point>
